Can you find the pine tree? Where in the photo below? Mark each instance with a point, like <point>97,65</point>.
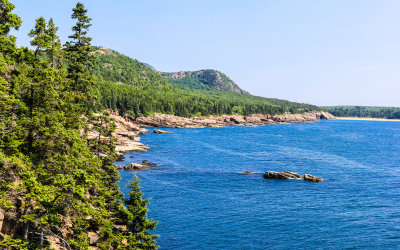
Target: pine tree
<point>78,53</point>
<point>8,20</point>
<point>41,40</point>
<point>9,141</point>
<point>54,50</point>
<point>139,225</point>
<point>49,172</point>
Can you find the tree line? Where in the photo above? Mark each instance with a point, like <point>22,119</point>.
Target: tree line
<point>134,88</point>
<point>364,111</point>
<point>146,100</point>
<point>56,186</point>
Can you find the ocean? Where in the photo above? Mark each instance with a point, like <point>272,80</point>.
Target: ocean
<point>202,201</point>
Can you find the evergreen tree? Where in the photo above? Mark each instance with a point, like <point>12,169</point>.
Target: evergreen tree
<point>9,105</point>
<point>54,50</point>
<point>41,40</point>
<point>8,20</point>
<point>139,225</point>
<point>50,179</point>
<point>78,53</point>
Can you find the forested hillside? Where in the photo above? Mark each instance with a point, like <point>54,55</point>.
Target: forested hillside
<point>114,67</point>
<point>204,79</point>
<point>58,188</point>
<point>135,88</point>
<point>364,111</point>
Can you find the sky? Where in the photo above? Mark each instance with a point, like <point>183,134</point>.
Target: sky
<point>331,52</point>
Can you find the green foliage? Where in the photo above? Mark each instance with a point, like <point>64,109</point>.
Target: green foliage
<point>8,20</point>
<point>78,54</point>
<point>134,88</point>
<point>204,79</point>
<point>57,184</point>
<point>144,100</point>
<point>41,39</point>
<point>364,111</point>
<point>54,50</point>
<point>115,67</point>
<point>139,224</point>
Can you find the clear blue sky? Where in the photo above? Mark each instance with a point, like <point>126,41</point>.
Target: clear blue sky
<point>330,52</point>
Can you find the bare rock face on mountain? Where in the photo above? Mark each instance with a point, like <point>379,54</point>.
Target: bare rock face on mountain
<point>204,79</point>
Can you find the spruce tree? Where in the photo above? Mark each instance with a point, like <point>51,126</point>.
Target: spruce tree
<point>52,184</point>
<point>54,50</point>
<point>78,53</point>
<point>9,141</point>
<point>8,20</point>
<point>41,40</point>
<point>139,225</point>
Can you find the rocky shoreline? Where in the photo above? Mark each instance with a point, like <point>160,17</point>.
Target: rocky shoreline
<point>171,121</point>
<point>128,128</point>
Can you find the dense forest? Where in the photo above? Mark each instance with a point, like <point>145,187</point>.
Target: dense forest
<point>59,189</point>
<point>364,111</point>
<point>135,88</point>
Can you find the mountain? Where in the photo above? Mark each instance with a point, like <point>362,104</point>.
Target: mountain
<point>204,79</point>
<point>133,87</point>
<point>115,67</point>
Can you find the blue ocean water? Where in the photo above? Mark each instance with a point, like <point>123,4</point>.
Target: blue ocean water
<point>202,201</point>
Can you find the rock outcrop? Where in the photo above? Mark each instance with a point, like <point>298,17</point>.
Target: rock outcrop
<point>308,177</point>
<point>126,134</point>
<point>284,175</point>
<point>147,163</point>
<point>171,121</point>
<point>208,78</point>
<point>287,175</point>
<point>159,131</point>
<point>135,166</point>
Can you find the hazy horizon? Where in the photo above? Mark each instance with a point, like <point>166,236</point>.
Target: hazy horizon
<point>319,52</point>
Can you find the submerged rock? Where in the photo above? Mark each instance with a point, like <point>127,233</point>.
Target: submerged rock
<point>135,166</point>
<point>147,163</point>
<point>284,175</point>
<point>159,131</point>
<point>308,177</point>
<point>248,172</point>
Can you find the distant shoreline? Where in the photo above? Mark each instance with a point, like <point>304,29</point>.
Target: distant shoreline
<point>367,119</point>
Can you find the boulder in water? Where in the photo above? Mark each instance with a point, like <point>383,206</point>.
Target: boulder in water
<point>159,131</point>
<point>135,166</point>
<point>287,175</point>
<point>147,163</point>
<point>284,175</point>
<point>308,177</point>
